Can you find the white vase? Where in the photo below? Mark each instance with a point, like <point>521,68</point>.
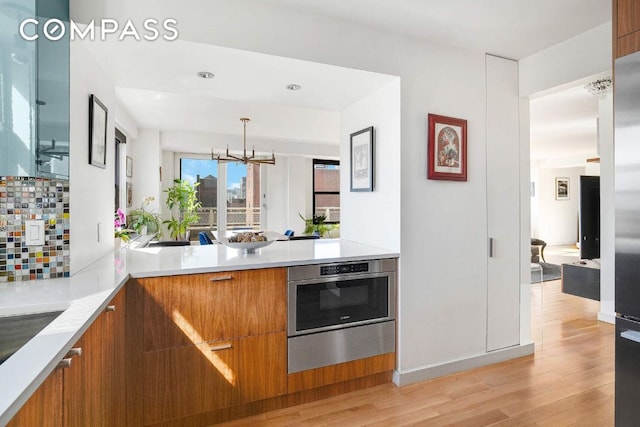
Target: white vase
<point>143,230</point>
<point>117,242</point>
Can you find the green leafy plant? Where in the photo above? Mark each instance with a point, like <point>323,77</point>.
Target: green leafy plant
<point>183,196</point>
<point>316,225</point>
<point>141,217</point>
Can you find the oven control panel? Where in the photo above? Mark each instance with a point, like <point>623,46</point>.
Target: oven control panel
<point>329,270</point>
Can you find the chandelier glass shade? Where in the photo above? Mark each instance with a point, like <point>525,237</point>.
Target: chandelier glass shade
<point>600,87</point>
<point>245,159</point>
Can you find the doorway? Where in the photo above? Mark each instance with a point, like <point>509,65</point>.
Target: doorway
<point>570,138</point>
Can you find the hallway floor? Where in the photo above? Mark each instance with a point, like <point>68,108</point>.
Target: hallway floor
<point>561,254</point>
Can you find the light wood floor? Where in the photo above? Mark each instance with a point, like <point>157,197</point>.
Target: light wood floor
<point>568,382</point>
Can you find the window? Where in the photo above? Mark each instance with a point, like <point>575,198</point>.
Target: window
<point>121,140</point>
<point>243,196</point>
<point>326,189</point>
<point>242,192</point>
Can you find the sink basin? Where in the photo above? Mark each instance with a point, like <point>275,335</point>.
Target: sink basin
<point>15,331</point>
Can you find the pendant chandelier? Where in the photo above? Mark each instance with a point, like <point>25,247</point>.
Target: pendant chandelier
<point>600,87</point>
<point>244,158</point>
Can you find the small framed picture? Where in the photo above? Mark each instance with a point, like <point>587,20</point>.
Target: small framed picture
<point>129,195</point>
<point>447,148</point>
<point>129,167</point>
<point>362,160</point>
<point>97,132</point>
<point>562,188</point>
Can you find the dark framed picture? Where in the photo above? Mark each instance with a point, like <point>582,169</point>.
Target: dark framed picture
<point>129,167</point>
<point>562,188</point>
<point>362,160</point>
<point>97,132</point>
<point>129,195</point>
<point>447,148</point>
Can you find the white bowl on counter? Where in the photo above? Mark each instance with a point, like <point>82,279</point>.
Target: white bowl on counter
<point>245,247</point>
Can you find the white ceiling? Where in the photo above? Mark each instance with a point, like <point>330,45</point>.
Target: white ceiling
<point>159,87</point>
<point>510,28</point>
<point>168,95</point>
<point>563,127</point>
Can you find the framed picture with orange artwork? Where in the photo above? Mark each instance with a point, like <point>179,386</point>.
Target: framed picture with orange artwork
<point>447,148</point>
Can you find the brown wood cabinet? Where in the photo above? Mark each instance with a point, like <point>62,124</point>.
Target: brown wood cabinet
<point>94,384</point>
<point>44,407</point>
<point>626,27</point>
<point>628,15</point>
<point>115,346</point>
<point>190,350</point>
<point>85,381</point>
<point>192,309</point>
<point>211,341</point>
<point>90,391</point>
<point>204,377</point>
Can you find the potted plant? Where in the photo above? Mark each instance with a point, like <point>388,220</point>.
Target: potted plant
<point>144,222</point>
<point>120,230</point>
<point>182,195</point>
<point>316,225</point>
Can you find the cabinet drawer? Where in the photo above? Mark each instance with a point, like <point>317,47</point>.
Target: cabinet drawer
<point>189,380</point>
<point>187,310</point>
<point>262,302</point>
<point>200,378</point>
<point>192,309</point>
<point>262,362</point>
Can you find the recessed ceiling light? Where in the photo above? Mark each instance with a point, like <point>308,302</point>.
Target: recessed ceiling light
<point>206,75</point>
<point>294,86</point>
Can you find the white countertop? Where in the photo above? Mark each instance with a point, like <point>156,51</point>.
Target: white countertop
<point>86,294</point>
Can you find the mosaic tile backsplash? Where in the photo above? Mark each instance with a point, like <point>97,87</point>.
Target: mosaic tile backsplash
<point>27,198</point>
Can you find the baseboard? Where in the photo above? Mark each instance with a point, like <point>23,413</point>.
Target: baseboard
<point>607,317</point>
<point>430,372</point>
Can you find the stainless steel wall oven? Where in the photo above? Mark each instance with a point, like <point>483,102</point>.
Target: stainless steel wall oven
<point>340,312</point>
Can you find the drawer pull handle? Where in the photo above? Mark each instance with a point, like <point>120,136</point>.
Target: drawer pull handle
<point>111,308</point>
<point>222,347</point>
<point>221,279</point>
<point>64,363</point>
<point>76,351</point>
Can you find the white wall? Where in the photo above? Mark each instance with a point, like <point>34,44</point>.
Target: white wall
<point>582,56</point>
<point>300,186</point>
<point>275,185</point>
<point>203,143</point>
<point>558,219</point>
<point>443,240</point>
<point>534,194</point>
<point>526,218</point>
<point>91,197</point>
<point>145,153</point>
<point>373,217</point>
<point>92,192</point>
<point>289,185</point>
<point>503,183</point>
<point>607,210</point>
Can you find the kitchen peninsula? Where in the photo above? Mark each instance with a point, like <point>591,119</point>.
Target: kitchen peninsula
<point>86,298</point>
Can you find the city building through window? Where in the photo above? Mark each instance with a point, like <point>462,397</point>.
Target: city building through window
<point>240,207</point>
<point>326,189</point>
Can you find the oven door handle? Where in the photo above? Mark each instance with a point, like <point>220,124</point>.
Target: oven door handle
<point>340,278</point>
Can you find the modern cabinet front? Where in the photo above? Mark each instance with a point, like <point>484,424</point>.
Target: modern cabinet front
<point>87,392</point>
<point>212,341</point>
